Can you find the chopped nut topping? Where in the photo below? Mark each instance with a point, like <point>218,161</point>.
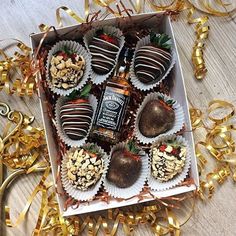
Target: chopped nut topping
<point>168,160</point>
<point>66,73</point>
<point>84,170</point>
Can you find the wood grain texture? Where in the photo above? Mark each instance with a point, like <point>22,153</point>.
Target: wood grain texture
<point>19,18</point>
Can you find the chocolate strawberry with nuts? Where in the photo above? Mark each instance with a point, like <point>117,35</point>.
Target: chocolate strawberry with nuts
<point>76,114</point>
<point>168,160</point>
<point>85,166</point>
<point>66,69</point>
<point>125,166</point>
<point>103,49</point>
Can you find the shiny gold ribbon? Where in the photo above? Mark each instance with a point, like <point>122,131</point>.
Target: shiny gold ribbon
<point>25,85</point>
<point>202,32</point>
<point>218,146</point>
<point>210,8</point>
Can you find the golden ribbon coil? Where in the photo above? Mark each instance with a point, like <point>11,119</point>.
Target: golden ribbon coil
<point>202,32</point>
<point>205,6</point>
<point>26,84</point>
<point>21,147</point>
<point>219,144</point>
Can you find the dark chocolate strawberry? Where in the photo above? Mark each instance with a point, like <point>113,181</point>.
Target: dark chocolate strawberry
<point>153,60</point>
<point>76,116</point>
<point>125,166</point>
<point>157,117</point>
<point>103,49</point>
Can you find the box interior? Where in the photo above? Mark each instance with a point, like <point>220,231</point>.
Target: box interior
<point>160,23</point>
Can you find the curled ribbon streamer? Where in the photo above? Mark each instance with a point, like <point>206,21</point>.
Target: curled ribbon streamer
<point>216,104</point>
<point>196,117</point>
<point>210,9</point>
<point>202,34</point>
<point>21,147</point>
<point>22,62</point>
<point>39,187</point>
<point>174,6</point>
<point>220,145</point>
<point>70,13</point>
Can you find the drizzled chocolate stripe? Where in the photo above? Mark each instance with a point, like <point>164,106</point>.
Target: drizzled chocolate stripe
<point>103,55</point>
<point>76,119</point>
<point>150,63</point>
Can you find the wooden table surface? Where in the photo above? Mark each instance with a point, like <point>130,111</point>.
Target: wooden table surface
<point>19,18</point>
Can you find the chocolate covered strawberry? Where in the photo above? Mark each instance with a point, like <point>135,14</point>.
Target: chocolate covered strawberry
<point>66,68</point>
<point>76,115</point>
<point>103,49</point>
<point>168,160</point>
<point>157,117</point>
<point>125,166</point>
<point>154,59</point>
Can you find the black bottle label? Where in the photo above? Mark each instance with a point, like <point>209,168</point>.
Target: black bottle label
<point>111,110</point>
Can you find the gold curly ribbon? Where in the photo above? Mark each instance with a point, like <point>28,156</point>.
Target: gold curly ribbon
<point>20,61</point>
<point>70,13</point>
<point>218,146</point>
<point>210,8</point>
<point>175,5</point>
<point>202,32</point>
<point>21,146</point>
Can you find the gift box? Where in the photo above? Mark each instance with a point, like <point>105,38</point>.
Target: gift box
<point>162,23</point>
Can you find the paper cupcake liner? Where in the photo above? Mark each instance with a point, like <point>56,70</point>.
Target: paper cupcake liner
<point>178,124</point>
<point>96,78</point>
<point>133,78</point>
<point>76,193</point>
<point>60,131</point>
<point>160,186</point>
<point>80,50</point>
<point>136,188</point>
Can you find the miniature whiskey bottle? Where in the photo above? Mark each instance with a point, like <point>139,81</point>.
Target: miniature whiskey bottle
<point>113,104</point>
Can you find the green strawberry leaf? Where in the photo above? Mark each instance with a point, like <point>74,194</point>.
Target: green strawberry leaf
<point>84,93</point>
<point>160,40</point>
<point>132,147</point>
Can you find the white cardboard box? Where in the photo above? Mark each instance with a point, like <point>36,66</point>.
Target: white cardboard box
<point>153,20</point>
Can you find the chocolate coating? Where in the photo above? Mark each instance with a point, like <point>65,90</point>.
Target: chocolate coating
<point>103,55</point>
<point>76,119</point>
<point>123,171</point>
<point>155,119</point>
<point>150,63</point>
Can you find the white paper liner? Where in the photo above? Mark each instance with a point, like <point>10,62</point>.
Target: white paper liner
<point>76,193</point>
<point>60,131</point>
<point>133,78</point>
<point>96,78</point>
<point>160,186</point>
<point>178,124</point>
<point>136,188</point>
<point>78,49</point>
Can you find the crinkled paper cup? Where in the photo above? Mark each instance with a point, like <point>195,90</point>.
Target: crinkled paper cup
<point>178,124</point>
<point>96,78</point>
<point>78,49</point>
<point>76,193</point>
<point>160,186</point>
<point>60,131</point>
<point>137,187</point>
<point>134,79</point>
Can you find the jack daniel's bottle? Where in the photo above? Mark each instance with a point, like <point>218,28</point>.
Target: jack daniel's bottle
<point>113,103</point>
